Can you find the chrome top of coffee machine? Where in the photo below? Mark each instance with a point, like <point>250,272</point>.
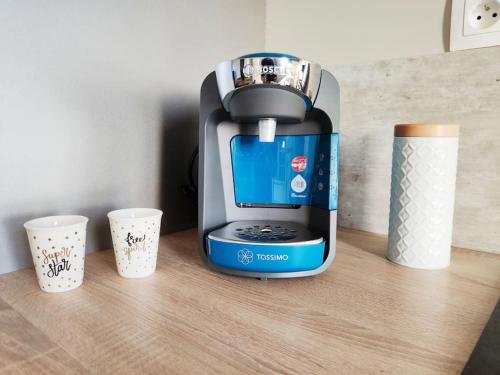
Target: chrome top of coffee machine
<point>268,171</point>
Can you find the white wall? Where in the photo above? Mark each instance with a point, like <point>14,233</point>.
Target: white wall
<point>98,106</point>
<point>340,32</point>
<point>99,99</point>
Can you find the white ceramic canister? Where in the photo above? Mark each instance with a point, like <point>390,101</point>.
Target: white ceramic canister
<point>424,165</point>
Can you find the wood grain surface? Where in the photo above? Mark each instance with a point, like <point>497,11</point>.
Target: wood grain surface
<point>364,315</point>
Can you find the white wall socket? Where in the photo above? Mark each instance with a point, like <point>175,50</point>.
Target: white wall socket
<point>474,24</point>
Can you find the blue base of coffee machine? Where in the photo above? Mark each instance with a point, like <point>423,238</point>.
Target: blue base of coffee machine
<point>264,246</point>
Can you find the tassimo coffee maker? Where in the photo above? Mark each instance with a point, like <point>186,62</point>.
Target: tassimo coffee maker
<point>268,167</point>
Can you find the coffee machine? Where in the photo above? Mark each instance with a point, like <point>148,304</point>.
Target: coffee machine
<point>268,167</point>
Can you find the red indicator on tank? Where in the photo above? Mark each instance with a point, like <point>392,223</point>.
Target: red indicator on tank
<point>299,163</point>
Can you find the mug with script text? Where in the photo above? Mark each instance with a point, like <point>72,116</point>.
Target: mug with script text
<point>58,248</point>
<point>135,233</point>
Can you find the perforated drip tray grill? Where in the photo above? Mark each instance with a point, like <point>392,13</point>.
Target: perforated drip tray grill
<point>266,232</point>
<point>260,231</point>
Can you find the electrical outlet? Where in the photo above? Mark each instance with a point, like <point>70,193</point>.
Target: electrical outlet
<point>474,24</point>
<point>481,16</point>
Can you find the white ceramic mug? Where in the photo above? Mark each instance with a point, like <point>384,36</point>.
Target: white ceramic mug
<point>58,248</point>
<point>135,233</point>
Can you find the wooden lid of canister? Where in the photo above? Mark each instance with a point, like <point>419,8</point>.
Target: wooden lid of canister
<point>426,130</point>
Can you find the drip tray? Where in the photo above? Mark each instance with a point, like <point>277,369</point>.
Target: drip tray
<point>266,246</point>
<point>266,233</point>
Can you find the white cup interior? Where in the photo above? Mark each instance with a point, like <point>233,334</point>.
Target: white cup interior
<point>51,222</point>
<point>134,213</point>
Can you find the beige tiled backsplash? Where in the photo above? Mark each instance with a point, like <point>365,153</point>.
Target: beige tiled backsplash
<point>461,87</point>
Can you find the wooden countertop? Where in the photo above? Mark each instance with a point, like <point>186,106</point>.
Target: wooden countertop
<point>364,315</point>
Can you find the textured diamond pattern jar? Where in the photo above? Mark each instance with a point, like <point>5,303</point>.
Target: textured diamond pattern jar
<point>424,164</point>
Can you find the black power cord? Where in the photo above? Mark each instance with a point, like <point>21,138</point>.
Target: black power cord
<point>191,189</point>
